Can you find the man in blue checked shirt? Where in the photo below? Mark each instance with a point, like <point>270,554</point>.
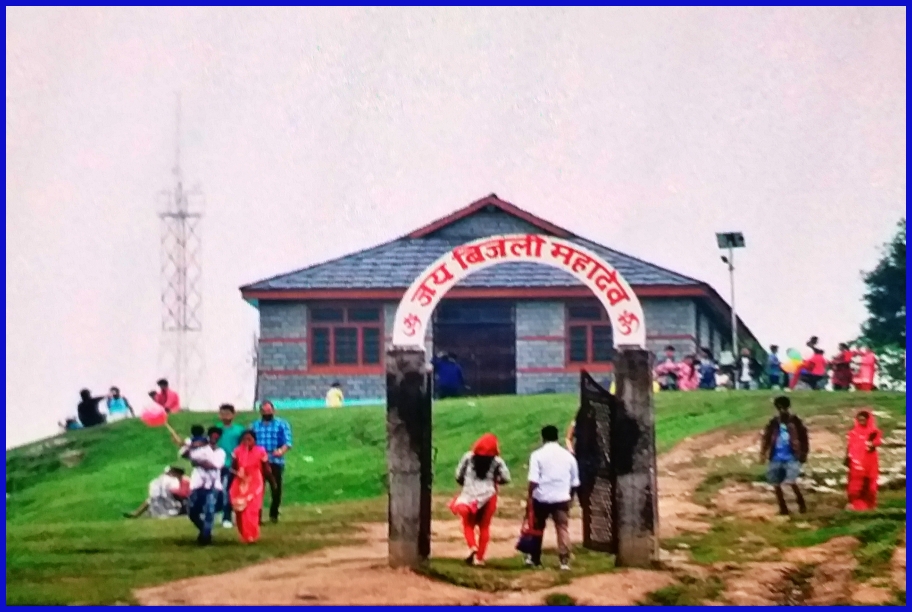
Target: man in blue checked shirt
<point>274,435</point>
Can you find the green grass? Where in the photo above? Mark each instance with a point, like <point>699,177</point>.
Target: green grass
<point>67,542</point>
<point>689,591</point>
<point>512,574</point>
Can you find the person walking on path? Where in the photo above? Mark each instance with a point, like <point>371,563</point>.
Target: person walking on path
<point>274,435</point>
<point>228,441</point>
<point>207,460</point>
<point>863,462</point>
<point>553,482</point>
<point>480,473</point>
<point>250,464</point>
<point>785,447</point>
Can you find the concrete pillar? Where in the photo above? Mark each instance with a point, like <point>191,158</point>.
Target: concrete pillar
<point>408,451</point>
<point>634,450</point>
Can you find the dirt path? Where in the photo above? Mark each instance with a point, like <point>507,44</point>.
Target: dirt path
<point>325,577</point>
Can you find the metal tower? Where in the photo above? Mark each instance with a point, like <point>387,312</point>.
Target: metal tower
<point>181,357</point>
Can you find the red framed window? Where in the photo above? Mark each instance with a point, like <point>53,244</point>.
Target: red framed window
<point>346,336</point>
<point>589,337</point>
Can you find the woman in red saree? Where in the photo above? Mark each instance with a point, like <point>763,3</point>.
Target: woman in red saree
<point>250,465</point>
<point>481,471</point>
<point>863,463</point>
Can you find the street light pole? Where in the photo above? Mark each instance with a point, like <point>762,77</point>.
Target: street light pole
<point>731,241</point>
<point>731,277</point>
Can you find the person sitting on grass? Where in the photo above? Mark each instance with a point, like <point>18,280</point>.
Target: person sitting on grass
<point>334,397</point>
<point>167,495</point>
<point>87,410</point>
<point>118,406</point>
<point>785,447</point>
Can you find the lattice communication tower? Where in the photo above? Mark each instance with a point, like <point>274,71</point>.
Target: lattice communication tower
<point>181,357</point>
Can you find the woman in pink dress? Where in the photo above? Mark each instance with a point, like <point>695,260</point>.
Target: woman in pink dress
<point>866,371</point>
<point>688,375</point>
<point>250,466</point>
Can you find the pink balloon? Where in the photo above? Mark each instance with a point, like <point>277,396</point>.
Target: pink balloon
<point>154,416</point>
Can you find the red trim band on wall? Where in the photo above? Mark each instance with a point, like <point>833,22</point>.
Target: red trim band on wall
<point>519,293</point>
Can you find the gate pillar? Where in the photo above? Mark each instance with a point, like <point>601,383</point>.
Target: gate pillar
<point>634,454</point>
<point>408,433</point>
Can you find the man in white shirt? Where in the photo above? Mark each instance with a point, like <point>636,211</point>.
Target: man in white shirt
<point>553,482</point>
<point>205,481</point>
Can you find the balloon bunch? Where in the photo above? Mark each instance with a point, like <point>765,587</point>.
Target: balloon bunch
<point>154,416</point>
<point>793,362</point>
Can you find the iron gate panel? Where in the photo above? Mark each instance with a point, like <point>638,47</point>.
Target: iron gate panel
<point>598,491</point>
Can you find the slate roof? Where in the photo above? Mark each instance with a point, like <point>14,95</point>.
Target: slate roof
<point>395,264</point>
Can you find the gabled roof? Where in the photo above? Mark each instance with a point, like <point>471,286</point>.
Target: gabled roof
<point>395,264</point>
<point>389,268</point>
<point>487,202</point>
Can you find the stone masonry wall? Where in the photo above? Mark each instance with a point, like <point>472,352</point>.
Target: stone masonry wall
<point>670,322</point>
<point>283,358</point>
<point>540,347</point>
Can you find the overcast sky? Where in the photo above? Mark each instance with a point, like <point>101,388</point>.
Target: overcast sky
<point>316,132</point>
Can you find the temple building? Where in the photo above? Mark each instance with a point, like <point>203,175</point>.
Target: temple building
<point>516,327</point>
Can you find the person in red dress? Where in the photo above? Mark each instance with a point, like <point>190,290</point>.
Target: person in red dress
<point>866,371</point>
<point>250,466</point>
<point>842,368</point>
<point>863,462</point>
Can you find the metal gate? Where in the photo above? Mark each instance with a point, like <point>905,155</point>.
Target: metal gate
<point>598,491</point>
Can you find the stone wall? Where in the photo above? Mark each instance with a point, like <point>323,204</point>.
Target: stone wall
<point>670,321</point>
<point>540,347</point>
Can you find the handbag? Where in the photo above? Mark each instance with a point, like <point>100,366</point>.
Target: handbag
<point>529,538</point>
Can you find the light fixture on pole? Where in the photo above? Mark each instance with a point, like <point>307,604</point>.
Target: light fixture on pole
<point>731,241</point>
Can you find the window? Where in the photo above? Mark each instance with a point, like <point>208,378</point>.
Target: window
<point>589,338</point>
<point>341,336</point>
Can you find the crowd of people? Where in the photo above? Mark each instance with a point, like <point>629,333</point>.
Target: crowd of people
<point>231,464</point>
<point>89,412</point>
<point>850,368</point>
<point>230,467</point>
<point>555,480</point>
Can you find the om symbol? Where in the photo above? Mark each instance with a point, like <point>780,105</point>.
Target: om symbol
<point>628,322</point>
<point>412,323</point>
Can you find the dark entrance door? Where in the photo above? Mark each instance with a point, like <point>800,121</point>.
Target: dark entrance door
<point>482,335</point>
<point>595,427</point>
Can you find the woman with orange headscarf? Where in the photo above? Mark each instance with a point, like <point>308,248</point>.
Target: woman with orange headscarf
<point>480,472</point>
<point>863,463</point>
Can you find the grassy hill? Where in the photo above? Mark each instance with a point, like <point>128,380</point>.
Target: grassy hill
<point>67,542</point>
